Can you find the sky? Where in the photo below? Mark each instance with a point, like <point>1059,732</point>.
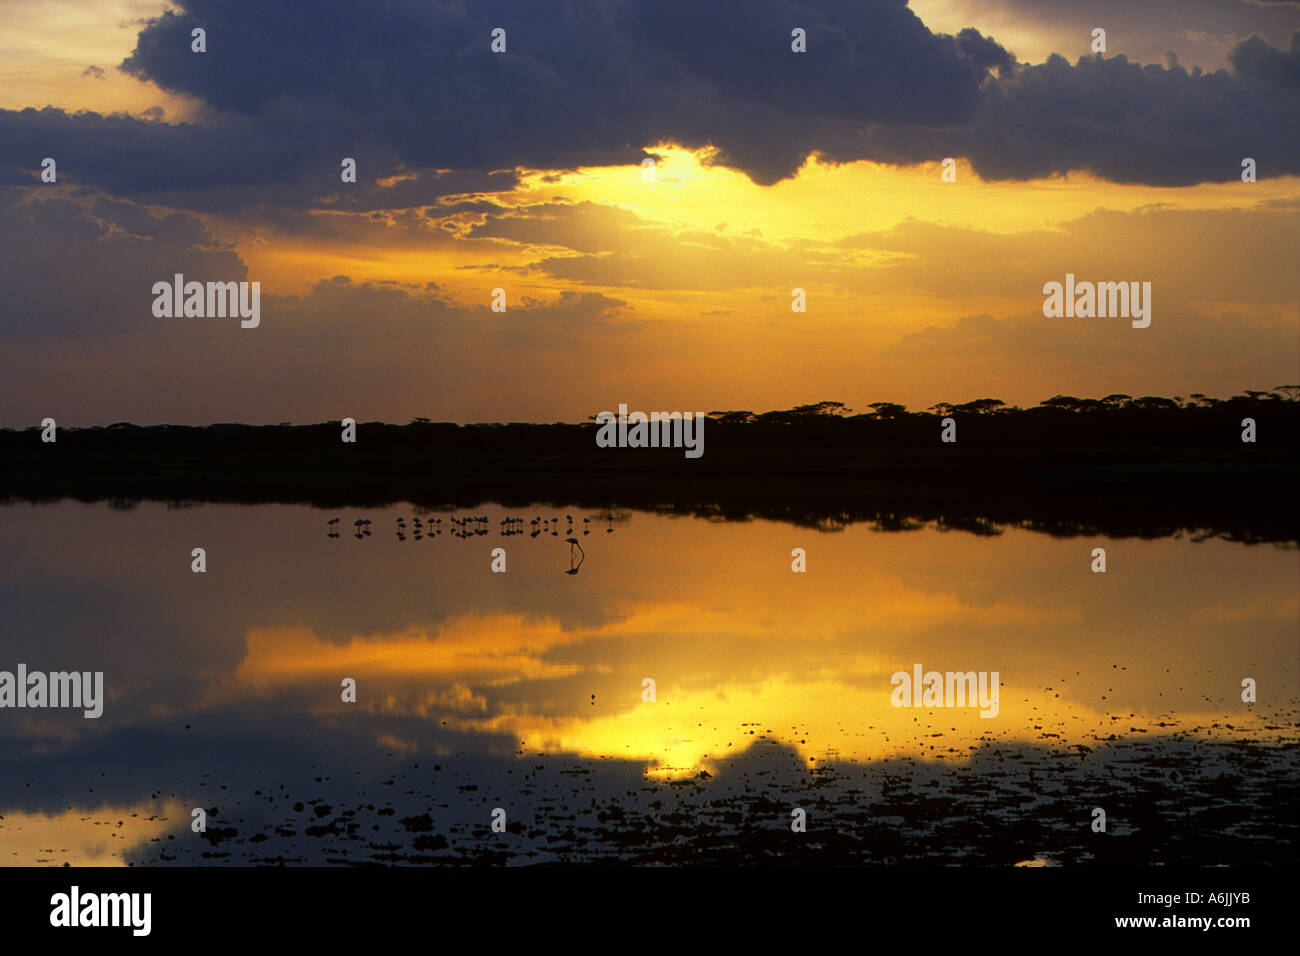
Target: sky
<point>668,288</point>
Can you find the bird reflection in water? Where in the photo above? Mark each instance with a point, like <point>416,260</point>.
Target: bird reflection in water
<point>477,525</point>
<point>575,559</point>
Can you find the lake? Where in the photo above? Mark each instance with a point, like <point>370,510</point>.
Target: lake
<point>683,697</point>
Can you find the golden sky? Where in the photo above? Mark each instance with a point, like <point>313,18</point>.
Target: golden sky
<point>674,293</point>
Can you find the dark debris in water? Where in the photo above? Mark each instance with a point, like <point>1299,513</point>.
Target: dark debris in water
<point>1174,800</point>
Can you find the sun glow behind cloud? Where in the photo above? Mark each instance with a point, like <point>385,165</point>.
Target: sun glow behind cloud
<point>919,290</point>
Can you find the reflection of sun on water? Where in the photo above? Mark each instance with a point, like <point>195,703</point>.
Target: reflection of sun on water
<point>450,677</point>
<point>768,684</point>
<point>743,651</point>
<point>682,735</point>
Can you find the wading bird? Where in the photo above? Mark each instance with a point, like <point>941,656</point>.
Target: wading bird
<point>581,555</point>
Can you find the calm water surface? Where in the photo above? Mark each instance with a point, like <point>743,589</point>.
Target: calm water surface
<point>524,691</point>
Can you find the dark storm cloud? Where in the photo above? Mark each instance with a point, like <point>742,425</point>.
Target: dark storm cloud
<point>866,62</point>
<point>595,79</point>
<point>985,52</point>
<point>293,89</point>
<point>115,252</point>
<point>1124,122</point>
<point>1259,61</point>
<point>406,63</point>
<point>131,156</point>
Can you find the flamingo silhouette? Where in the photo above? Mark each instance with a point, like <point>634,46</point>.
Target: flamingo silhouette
<point>582,555</point>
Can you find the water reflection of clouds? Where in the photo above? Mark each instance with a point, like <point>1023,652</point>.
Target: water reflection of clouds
<point>242,666</point>
<point>105,836</point>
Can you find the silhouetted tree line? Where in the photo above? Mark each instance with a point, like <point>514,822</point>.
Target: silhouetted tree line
<point>1116,403</point>
<point>888,430</point>
<point>1117,465</point>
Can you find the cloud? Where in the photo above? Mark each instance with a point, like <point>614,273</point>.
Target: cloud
<point>1122,121</point>
<point>415,86</point>
<point>1201,32</point>
<point>117,251</point>
<point>985,52</point>
<point>1256,59</point>
<point>129,156</point>
<point>97,329</point>
<point>583,227</point>
<point>1180,251</point>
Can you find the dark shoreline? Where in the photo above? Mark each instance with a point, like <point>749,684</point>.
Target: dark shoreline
<point>1121,472</point>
